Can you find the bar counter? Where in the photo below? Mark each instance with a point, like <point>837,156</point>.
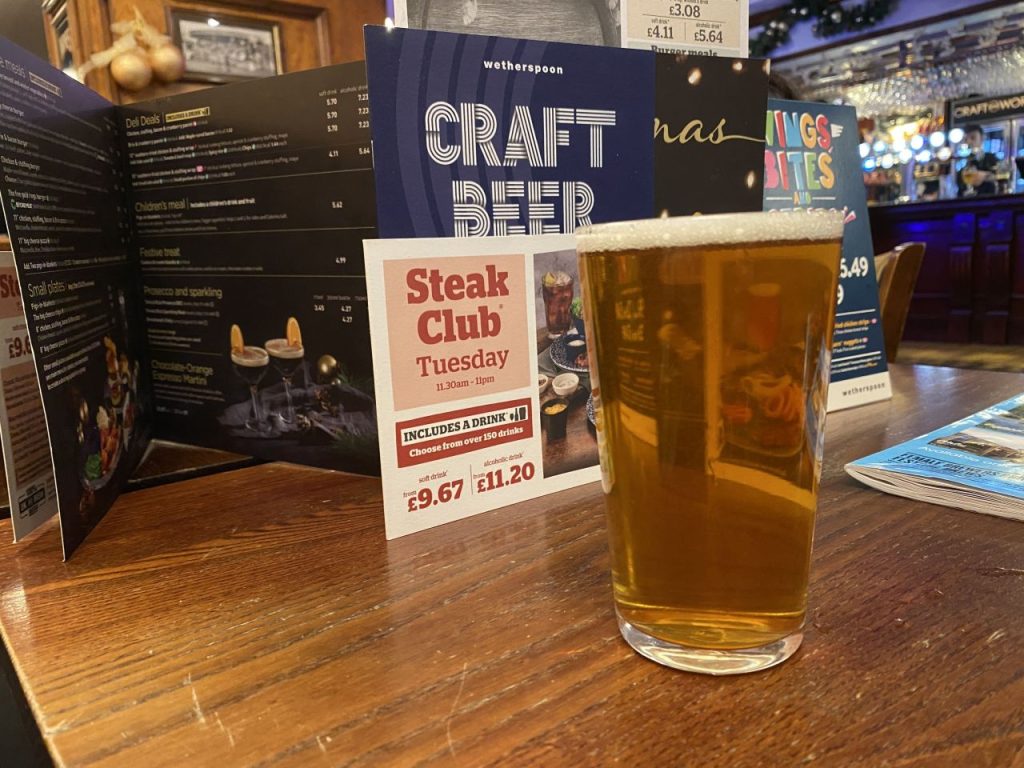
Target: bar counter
<point>259,617</point>
<point>971,285</point>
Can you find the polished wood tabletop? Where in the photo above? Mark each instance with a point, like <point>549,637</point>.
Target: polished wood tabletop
<point>258,617</point>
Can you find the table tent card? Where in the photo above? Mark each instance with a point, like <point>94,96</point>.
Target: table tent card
<point>468,420</point>
<point>812,160</point>
<point>191,268</point>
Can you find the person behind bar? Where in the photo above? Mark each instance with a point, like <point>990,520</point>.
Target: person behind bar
<point>977,177</point>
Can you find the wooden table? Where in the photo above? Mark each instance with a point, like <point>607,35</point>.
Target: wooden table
<point>259,617</point>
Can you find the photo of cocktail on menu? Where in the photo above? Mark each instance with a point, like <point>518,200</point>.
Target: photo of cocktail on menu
<point>293,403</point>
<point>567,414</point>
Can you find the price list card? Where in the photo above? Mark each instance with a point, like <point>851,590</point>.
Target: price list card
<point>719,27</point>
<point>484,394</point>
<point>250,206</point>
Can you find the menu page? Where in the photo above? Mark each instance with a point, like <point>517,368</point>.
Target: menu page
<point>250,205</point>
<point>484,387</point>
<point>66,213</point>
<point>25,451</point>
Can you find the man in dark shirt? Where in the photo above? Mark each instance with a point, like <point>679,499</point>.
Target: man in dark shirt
<point>977,177</point>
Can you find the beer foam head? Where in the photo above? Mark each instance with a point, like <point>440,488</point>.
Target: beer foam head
<point>725,230</point>
<point>250,357</point>
<point>281,348</point>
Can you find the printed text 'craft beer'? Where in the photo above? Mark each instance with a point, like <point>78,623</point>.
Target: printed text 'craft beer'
<point>467,133</point>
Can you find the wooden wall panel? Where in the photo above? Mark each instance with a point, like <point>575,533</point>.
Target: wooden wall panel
<point>1015,323</point>
<point>971,287</point>
<point>313,32</point>
<point>991,294</point>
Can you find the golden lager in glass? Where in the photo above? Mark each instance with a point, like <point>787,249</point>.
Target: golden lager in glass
<point>710,340</point>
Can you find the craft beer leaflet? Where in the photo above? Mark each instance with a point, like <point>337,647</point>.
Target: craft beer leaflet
<point>482,376</point>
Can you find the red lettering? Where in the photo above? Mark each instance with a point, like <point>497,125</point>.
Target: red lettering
<point>415,282</point>
<point>824,133</point>
<point>771,170</point>
<point>783,169</point>
<point>443,325</point>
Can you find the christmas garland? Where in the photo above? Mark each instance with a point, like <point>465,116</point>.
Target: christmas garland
<point>830,18</point>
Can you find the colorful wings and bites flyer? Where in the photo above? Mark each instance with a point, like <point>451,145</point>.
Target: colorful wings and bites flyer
<point>483,385</point>
<point>812,161</point>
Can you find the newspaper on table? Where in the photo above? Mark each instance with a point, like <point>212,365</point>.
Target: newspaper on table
<point>976,463</point>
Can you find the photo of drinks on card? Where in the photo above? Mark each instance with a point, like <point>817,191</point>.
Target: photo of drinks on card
<point>563,372</point>
<point>483,385</point>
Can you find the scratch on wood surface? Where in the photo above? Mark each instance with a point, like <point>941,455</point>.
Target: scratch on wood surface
<point>196,708</point>
<point>319,743</point>
<point>60,727</point>
<point>1000,571</point>
<point>451,713</point>
<point>226,731</point>
<point>999,634</point>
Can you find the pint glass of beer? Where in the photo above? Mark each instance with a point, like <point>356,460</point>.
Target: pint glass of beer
<point>710,340</point>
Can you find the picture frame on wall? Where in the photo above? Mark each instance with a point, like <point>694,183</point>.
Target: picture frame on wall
<point>590,22</point>
<point>222,48</point>
<point>59,40</point>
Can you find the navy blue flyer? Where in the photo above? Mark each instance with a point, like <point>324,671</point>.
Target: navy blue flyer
<point>812,161</point>
<point>477,136</point>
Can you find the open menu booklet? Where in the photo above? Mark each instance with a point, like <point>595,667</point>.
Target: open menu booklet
<point>191,267</point>
<point>976,463</point>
